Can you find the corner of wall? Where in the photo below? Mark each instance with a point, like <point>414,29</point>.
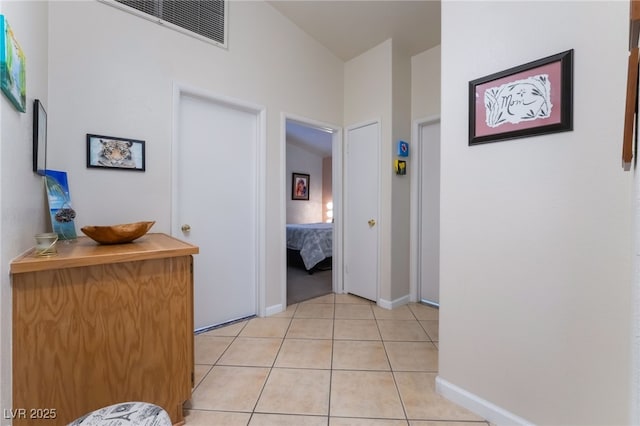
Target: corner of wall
<point>22,203</point>
<point>400,184</point>
<point>483,408</point>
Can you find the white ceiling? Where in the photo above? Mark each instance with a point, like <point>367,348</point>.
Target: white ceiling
<point>315,140</point>
<point>349,28</point>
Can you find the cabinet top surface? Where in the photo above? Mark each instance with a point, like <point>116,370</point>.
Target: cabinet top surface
<point>86,252</point>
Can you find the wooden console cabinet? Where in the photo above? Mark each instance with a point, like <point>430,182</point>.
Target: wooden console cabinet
<point>101,324</point>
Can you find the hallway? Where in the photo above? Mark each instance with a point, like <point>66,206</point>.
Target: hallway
<point>334,360</point>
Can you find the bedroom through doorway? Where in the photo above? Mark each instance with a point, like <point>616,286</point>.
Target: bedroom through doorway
<point>309,211</point>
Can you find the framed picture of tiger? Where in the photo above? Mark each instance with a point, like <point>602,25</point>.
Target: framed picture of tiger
<point>110,152</point>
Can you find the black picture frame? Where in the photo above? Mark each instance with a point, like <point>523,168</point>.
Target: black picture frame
<point>39,138</point>
<point>300,186</point>
<point>111,152</point>
<point>532,99</point>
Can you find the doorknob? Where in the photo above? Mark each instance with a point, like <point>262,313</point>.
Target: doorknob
<point>371,223</point>
<point>186,228</point>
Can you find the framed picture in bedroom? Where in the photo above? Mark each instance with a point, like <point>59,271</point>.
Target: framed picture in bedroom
<point>299,186</point>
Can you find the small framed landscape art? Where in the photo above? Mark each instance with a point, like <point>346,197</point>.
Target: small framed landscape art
<point>299,186</point>
<point>109,152</point>
<point>531,99</point>
<point>13,78</point>
<point>60,210</point>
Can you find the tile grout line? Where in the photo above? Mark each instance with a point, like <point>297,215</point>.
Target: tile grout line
<point>218,359</point>
<point>422,326</point>
<point>266,380</point>
<point>395,382</point>
<point>333,344</point>
<point>331,364</point>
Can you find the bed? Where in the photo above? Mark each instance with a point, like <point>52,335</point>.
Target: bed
<point>312,243</point>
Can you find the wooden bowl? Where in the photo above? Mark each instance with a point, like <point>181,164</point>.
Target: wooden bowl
<point>117,234</point>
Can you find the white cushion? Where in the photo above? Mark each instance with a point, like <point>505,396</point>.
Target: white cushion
<point>125,414</point>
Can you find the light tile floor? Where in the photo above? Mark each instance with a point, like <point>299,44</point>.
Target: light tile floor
<point>337,360</point>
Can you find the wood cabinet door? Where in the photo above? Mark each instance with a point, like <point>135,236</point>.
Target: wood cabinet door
<point>88,337</point>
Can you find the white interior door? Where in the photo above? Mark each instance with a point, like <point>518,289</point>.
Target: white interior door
<point>429,213</point>
<point>216,205</point>
<point>361,201</point>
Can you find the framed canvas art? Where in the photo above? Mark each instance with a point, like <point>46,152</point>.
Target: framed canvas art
<point>13,80</point>
<point>403,149</point>
<point>60,210</point>
<point>110,152</point>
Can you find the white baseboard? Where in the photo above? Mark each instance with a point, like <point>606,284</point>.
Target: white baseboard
<point>274,309</point>
<point>477,405</point>
<point>386,304</point>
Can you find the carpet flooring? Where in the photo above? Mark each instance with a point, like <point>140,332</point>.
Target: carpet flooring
<point>302,286</point>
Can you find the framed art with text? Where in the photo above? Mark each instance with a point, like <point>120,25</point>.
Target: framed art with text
<point>531,99</point>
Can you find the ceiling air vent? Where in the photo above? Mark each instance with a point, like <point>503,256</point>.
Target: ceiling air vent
<point>203,19</point>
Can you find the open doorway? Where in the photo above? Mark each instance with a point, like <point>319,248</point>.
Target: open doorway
<point>309,210</point>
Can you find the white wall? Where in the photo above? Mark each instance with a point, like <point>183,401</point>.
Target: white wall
<point>425,83</point>
<point>400,185</point>
<point>536,233</point>
<point>112,73</point>
<point>23,207</point>
<point>300,160</point>
<point>635,300</point>
<point>377,86</point>
<point>425,102</point>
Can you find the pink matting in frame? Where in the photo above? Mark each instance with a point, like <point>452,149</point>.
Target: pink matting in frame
<point>531,99</point>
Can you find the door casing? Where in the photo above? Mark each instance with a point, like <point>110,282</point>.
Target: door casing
<point>336,177</point>
<point>416,211</point>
